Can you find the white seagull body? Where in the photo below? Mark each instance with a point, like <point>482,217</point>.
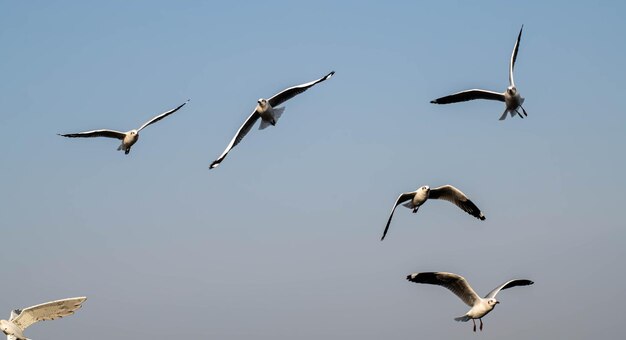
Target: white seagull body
<point>269,113</point>
<point>459,286</point>
<point>511,97</point>
<point>420,196</point>
<point>128,138</point>
<point>22,318</point>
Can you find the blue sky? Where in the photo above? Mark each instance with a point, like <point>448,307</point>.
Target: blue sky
<point>282,240</point>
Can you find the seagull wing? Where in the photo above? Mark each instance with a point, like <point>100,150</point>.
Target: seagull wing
<point>47,311</point>
<point>161,116</point>
<point>456,196</point>
<point>472,94</point>
<point>506,285</point>
<point>291,92</point>
<point>402,198</point>
<point>514,57</point>
<point>243,130</point>
<point>455,283</point>
<point>97,133</point>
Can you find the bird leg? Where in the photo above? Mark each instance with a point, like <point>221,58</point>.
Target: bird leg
<point>481,324</point>
<point>415,209</point>
<point>474,321</point>
<point>525,114</point>
<point>519,114</point>
<point>126,151</point>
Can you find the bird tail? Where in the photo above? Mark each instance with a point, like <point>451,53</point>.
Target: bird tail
<point>408,204</point>
<point>463,318</point>
<point>276,113</point>
<point>503,117</point>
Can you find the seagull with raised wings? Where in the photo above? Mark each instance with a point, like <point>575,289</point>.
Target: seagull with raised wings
<point>22,318</point>
<point>415,199</point>
<point>267,110</point>
<point>128,138</point>
<point>459,286</point>
<point>511,97</point>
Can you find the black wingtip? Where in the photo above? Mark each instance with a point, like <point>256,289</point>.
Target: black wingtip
<point>332,73</point>
<point>434,102</point>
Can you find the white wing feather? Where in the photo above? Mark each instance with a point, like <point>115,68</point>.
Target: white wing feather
<point>48,311</point>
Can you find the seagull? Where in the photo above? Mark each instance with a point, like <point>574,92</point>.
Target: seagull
<point>420,196</point>
<point>269,113</point>
<point>22,318</point>
<point>510,97</point>
<point>459,286</point>
<point>128,138</point>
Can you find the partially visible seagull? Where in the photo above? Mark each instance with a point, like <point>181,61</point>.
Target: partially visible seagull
<point>269,113</point>
<point>128,138</point>
<point>459,286</point>
<point>510,97</point>
<point>22,318</point>
<point>420,196</point>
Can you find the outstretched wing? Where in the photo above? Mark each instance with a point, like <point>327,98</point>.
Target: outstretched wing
<point>402,198</point>
<point>514,57</point>
<point>472,94</point>
<point>161,116</point>
<point>455,283</point>
<point>97,133</point>
<point>243,130</point>
<point>47,311</point>
<point>456,196</point>
<point>291,92</point>
<point>506,285</point>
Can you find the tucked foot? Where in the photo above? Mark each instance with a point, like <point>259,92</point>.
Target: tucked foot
<point>481,324</point>
<point>415,210</point>
<point>474,321</point>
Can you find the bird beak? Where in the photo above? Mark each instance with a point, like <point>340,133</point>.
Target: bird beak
<point>497,302</point>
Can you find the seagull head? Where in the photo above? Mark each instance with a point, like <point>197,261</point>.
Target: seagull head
<point>426,188</point>
<point>511,90</point>
<point>492,302</point>
<point>4,326</point>
<point>132,132</point>
<point>262,102</point>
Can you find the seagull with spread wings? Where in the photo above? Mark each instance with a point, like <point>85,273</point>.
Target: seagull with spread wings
<point>269,113</point>
<point>22,318</point>
<point>415,199</point>
<point>128,138</point>
<point>459,286</point>
<point>511,97</point>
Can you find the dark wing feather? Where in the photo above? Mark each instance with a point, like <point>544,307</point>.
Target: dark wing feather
<point>464,96</point>
<point>455,283</point>
<point>456,196</point>
<point>243,130</point>
<point>291,92</point>
<point>161,116</point>
<point>97,133</point>
<point>507,285</point>
<point>402,198</point>
<point>514,57</point>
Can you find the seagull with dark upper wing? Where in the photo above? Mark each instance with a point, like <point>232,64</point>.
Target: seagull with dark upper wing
<point>269,113</point>
<point>511,97</point>
<point>459,286</point>
<point>22,318</point>
<point>415,199</point>
<point>128,138</point>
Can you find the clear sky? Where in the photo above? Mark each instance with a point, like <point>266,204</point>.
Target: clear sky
<point>282,240</point>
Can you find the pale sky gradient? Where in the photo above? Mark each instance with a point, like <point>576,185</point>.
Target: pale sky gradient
<point>282,240</point>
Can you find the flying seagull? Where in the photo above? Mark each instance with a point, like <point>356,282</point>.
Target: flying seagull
<point>128,138</point>
<point>269,113</point>
<point>459,286</point>
<point>22,318</point>
<point>510,97</point>
<point>420,196</point>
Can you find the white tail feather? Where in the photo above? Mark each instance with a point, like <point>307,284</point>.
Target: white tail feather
<point>276,113</point>
<point>408,204</point>
<point>503,117</point>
